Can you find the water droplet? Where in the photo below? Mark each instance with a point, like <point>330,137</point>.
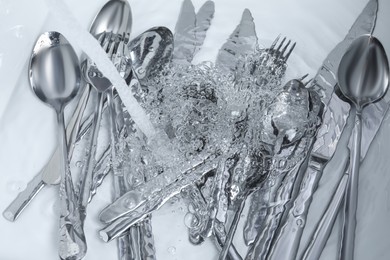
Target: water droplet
<point>234,190</point>
<point>191,208</point>
<point>141,71</point>
<point>16,186</point>
<point>191,220</point>
<point>129,203</point>
<point>300,222</point>
<point>282,164</point>
<point>79,164</point>
<point>172,250</point>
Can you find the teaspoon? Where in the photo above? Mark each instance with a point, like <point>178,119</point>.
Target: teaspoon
<point>363,77</point>
<point>55,77</point>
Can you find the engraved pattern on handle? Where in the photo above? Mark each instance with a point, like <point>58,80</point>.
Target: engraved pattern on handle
<point>138,213</point>
<point>287,242</point>
<point>72,244</point>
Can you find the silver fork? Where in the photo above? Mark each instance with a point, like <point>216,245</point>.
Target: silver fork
<point>279,53</point>
<point>111,43</point>
<point>116,48</point>
<point>96,79</point>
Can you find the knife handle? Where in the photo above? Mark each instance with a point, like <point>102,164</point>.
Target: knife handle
<point>23,199</point>
<point>16,207</point>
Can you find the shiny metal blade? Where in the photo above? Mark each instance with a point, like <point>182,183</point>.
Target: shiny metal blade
<point>242,41</point>
<point>334,121</point>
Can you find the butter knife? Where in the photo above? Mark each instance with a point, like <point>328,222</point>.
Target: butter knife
<point>49,175</point>
<point>287,242</point>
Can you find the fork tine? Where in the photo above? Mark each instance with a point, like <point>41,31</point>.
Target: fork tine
<point>106,42</point>
<point>118,55</point>
<point>303,77</point>
<point>290,51</point>
<point>101,38</point>
<point>110,48</point>
<point>281,44</point>
<point>274,43</point>
<point>284,49</point>
<point>306,83</point>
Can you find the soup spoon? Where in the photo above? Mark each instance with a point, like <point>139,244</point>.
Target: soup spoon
<point>363,77</point>
<point>55,77</point>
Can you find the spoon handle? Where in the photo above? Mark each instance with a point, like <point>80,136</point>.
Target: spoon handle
<point>351,196</point>
<point>324,227</point>
<point>72,239</point>
<point>232,230</point>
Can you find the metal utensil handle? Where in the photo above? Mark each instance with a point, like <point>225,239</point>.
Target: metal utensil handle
<point>351,196</point>
<point>119,179</point>
<point>321,235</point>
<point>220,237</point>
<point>118,226</point>
<point>73,127</point>
<point>232,230</point>
<point>287,241</point>
<point>86,184</point>
<point>12,212</point>
<point>24,197</point>
<point>72,240</point>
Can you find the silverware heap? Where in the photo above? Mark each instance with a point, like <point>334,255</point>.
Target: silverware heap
<point>227,134</point>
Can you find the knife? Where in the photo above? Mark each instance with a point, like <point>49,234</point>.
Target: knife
<point>190,30</point>
<point>287,242</point>
<point>49,174</point>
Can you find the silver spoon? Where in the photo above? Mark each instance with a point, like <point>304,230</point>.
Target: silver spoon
<point>151,51</point>
<point>363,77</point>
<point>55,77</point>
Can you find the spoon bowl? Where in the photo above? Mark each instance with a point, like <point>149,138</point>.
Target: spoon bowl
<point>54,70</point>
<point>115,16</point>
<point>150,51</point>
<point>364,71</point>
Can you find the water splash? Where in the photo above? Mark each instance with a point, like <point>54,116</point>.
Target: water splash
<point>77,35</point>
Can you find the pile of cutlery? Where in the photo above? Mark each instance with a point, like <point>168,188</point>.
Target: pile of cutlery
<point>231,131</point>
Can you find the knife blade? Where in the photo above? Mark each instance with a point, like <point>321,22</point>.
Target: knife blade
<point>334,121</point>
<point>49,175</point>
<point>190,30</point>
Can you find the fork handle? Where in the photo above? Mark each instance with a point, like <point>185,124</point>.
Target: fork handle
<point>12,212</point>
